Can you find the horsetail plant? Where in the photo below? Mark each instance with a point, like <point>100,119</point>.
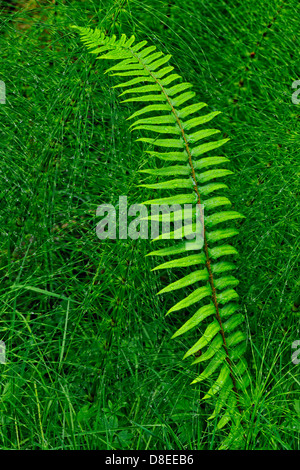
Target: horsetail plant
<point>163,96</point>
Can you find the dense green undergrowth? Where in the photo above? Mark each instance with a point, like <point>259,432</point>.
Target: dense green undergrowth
<point>90,363</point>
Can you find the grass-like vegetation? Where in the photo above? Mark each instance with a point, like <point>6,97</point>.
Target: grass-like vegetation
<point>90,363</point>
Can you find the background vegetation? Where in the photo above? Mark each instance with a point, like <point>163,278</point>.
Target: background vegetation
<point>90,363</point>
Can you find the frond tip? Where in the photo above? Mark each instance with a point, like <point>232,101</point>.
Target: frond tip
<point>176,136</point>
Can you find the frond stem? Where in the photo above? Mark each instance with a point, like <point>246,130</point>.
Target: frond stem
<point>208,261</point>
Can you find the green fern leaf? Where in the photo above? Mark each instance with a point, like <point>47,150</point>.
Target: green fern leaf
<point>168,117</point>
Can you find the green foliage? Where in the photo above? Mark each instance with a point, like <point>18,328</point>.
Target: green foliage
<point>173,119</point>
<point>98,370</point>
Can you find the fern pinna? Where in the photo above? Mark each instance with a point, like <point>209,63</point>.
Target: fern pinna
<point>167,114</point>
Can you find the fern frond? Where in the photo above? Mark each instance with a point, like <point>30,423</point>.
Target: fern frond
<point>179,140</point>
